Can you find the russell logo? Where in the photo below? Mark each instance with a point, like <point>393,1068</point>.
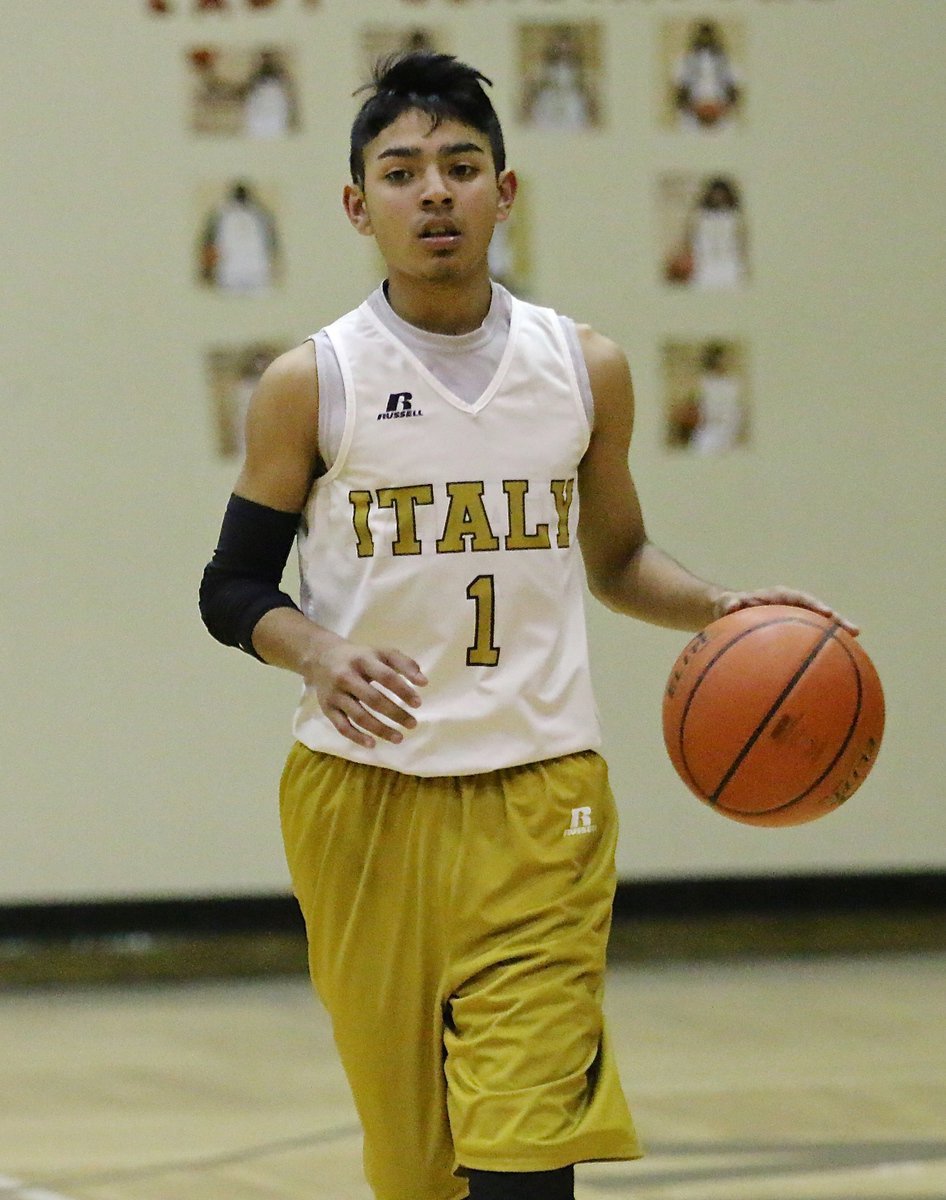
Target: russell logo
<point>581,822</point>
<point>399,405</point>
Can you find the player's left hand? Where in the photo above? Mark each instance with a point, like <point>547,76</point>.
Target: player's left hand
<point>732,601</point>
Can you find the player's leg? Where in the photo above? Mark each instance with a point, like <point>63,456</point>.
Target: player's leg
<point>364,849</point>
<point>532,1083</point>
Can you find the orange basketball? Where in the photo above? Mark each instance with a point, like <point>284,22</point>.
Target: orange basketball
<point>773,715</point>
<point>679,267</point>
<point>708,112</point>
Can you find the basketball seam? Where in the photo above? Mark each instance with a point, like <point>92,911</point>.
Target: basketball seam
<point>833,763</point>
<point>786,691</point>
<point>681,728</point>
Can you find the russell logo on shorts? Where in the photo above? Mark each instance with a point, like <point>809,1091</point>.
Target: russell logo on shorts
<point>581,822</point>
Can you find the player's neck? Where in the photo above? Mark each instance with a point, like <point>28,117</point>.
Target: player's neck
<point>448,307</point>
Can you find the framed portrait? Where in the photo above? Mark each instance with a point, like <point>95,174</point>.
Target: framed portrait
<point>560,70</point>
<point>248,93</point>
<point>381,41</point>
<point>702,74</point>
<point>703,231</point>
<point>238,245</point>
<point>705,395</point>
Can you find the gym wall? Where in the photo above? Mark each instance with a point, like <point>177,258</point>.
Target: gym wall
<point>140,758</point>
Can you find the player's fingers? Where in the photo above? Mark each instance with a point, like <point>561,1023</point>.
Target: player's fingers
<point>400,675</point>
<point>404,666</point>
<point>732,602</point>
<point>846,625</point>
<point>348,730</point>
<point>366,717</point>
<point>354,693</point>
<point>365,682</point>
<point>806,600</point>
<point>377,701</point>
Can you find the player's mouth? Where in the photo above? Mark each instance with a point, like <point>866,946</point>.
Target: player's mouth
<point>440,235</point>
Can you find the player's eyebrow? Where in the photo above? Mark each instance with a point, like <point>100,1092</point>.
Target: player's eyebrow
<point>444,152</point>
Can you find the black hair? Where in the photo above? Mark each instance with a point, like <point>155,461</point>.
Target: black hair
<point>437,84</point>
<point>720,184</point>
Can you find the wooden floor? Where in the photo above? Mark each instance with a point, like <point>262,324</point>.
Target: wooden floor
<point>795,1079</point>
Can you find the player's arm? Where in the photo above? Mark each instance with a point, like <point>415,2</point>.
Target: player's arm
<point>240,599</point>
<point>625,570</point>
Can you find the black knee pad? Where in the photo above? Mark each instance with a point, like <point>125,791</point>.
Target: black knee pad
<point>525,1185</point>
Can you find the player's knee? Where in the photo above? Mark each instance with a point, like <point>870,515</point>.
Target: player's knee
<point>526,1185</point>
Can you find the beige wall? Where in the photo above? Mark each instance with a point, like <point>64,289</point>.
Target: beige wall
<point>138,757</point>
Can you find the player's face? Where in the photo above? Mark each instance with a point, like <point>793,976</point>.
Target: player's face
<point>431,198</point>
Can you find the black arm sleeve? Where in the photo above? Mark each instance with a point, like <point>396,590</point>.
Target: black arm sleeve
<point>241,581</point>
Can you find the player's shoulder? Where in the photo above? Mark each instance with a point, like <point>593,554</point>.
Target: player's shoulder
<point>606,361</point>
<point>290,380</point>
<point>286,399</point>
<point>294,368</point>
<point>282,431</point>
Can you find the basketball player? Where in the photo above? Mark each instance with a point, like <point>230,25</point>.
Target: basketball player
<point>717,237</point>
<point>239,247</point>
<point>447,819</point>
<point>721,417</point>
<point>706,89</point>
<point>268,99</point>
<point>558,98</point>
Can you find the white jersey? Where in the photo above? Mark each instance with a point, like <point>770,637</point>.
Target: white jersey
<point>717,249</point>
<point>560,101</point>
<point>267,111</point>
<point>242,245</point>
<point>720,414</point>
<point>707,76</point>
<point>448,531</point>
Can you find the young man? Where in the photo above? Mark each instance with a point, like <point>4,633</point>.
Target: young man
<point>448,823</point>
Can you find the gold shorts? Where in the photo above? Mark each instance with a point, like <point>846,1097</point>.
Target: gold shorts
<point>457,930</point>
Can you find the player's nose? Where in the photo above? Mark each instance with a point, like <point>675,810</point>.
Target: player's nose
<point>436,192</point>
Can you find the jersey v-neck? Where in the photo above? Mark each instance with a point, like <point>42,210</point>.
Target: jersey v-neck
<point>466,369</point>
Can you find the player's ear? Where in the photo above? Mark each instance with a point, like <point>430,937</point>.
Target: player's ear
<point>508,185</point>
<point>356,209</point>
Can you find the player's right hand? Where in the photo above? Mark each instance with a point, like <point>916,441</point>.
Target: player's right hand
<point>348,679</point>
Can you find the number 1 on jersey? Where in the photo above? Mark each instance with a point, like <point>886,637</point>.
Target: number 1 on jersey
<point>483,653</point>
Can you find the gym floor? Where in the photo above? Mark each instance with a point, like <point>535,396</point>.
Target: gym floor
<point>751,1078</point>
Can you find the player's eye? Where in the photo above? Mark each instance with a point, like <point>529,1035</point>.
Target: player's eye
<point>397,175</point>
<point>462,170</point>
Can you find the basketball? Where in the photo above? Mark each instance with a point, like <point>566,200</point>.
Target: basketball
<point>773,715</point>
<point>679,267</point>
<point>708,112</point>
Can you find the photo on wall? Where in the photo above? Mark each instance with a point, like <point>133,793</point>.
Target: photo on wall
<point>705,395</point>
<point>211,6</point>
<point>381,41</point>
<point>243,92</point>
<point>560,84</point>
<point>232,374</point>
<point>702,74</point>
<point>165,7</point>
<point>238,246</point>
<point>703,231</point>
<point>233,5</point>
